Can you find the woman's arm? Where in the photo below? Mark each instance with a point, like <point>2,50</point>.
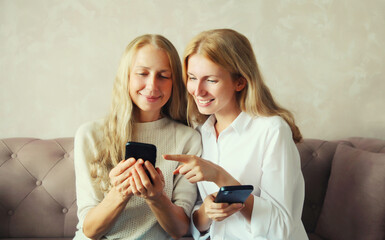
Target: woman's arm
<point>101,218</point>
<point>171,217</point>
<point>196,169</point>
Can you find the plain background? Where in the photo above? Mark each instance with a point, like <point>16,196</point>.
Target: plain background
<point>324,60</point>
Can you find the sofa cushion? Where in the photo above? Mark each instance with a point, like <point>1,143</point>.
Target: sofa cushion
<point>354,206</point>
<point>316,158</point>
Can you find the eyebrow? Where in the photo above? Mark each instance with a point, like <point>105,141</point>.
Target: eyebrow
<point>207,76</point>
<point>163,70</point>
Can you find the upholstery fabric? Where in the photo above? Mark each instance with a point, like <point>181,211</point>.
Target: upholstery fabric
<point>37,188</point>
<point>354,206</point>
<point>316,158</point>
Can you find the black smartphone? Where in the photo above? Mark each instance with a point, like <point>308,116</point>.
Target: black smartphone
<point>145,151</point>
<point>233,194</point>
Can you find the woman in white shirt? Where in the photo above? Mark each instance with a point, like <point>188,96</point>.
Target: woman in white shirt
<point>247,139</point>
<point>117,199</point>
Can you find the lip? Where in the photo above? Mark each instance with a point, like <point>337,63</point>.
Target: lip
<point>152,98</point>
<point>203,103</point>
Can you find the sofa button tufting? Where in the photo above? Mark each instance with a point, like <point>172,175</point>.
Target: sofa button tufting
<point>315,154</point>
<point>38,183</point>
<point>10,213</point>
<point>14,155</point>
<point>66,155</point>
<point>313,206</point>
<point>65,210</point>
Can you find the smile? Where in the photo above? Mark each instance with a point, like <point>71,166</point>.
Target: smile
<point>204,102</point>
<point>151,98</point>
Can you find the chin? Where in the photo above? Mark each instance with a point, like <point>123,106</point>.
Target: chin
<point>205,111</point>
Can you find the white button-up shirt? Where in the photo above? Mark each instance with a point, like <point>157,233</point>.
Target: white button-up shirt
<point>258,151</point>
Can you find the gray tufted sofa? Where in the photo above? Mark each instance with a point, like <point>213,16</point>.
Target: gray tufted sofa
<point>345,188</point>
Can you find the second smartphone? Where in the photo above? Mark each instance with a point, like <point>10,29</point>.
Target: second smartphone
<point>233,194</point>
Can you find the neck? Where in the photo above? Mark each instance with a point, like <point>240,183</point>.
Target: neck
<point>223,121</point>
<point>142,116</point>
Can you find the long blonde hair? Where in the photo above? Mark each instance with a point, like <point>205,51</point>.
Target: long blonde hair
<point>233,51</point>
<point>117,129</point>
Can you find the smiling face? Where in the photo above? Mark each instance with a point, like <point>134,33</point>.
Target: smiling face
<point>150,82</point>
<point>212,87</point>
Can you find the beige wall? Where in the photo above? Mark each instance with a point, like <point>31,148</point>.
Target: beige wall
<point>323,59</point>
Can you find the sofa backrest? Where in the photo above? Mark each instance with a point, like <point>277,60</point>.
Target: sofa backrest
<point>37,184</point>
<point>316,159</point>
<point>37,188</point>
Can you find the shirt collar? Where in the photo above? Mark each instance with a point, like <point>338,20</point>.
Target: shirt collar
<point>239,124</point>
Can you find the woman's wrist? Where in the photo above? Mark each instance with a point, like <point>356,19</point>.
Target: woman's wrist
<point>157,200</point>
<point>200,219</point>
<point>116,196</point>
<point>224,178</point>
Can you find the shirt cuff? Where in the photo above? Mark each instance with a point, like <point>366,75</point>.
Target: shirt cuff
<point>197,235</point>
<point>260,217</point>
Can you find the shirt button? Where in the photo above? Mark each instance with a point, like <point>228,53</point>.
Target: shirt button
<point>65,210</point>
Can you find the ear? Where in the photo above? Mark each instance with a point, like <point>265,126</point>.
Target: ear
<point>240,84</point>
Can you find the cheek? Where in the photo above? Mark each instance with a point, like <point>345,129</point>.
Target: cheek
<point>190,87</point>
<point>167,86</point>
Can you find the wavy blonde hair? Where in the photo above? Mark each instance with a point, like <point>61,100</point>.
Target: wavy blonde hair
<point>117,128</point>
<point>233,51</point>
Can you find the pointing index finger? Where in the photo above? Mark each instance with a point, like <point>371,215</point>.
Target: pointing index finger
<point>177,157</point>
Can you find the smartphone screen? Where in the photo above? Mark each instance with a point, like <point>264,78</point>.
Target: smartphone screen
<point>233,194</point>
<point>145,151</point>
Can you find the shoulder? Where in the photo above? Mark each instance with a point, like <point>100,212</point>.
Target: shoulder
<point>188,138</point>
<point>185,131</point>
<point>89,132</point>
<point>271,126</point>
<point>272,122</point>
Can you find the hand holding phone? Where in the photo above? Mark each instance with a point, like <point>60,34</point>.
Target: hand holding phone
<point>233,194</point>
<point>145,151</point>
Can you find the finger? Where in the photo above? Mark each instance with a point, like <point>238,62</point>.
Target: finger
<point>150,168</point>
<point>177,157</point>
<point>124,165</point>
<point>176,171</point>
<point>138,183</point>
<point>219,205</point>
<point>185,169</point>
<point>140,169</point>
<point>232,208</point>
<point>194,179</point>
<point>133,187</point>
<point>188,175</point>
<point>160,173</point>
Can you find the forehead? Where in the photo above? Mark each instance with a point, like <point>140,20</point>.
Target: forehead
<point>149,56</point>
<point>200,65</point>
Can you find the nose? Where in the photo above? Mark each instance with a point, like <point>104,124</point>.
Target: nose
<point>200,89</point>
<point>151,82</point>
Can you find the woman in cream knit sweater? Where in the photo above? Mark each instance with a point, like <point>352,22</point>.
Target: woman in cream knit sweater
<point>116,199</point>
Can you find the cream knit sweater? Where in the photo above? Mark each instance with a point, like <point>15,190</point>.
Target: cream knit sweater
<point>137,220</point>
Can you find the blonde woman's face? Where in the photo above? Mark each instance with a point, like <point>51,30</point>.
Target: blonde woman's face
<point>211,86</point>
<point>150,82</point>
